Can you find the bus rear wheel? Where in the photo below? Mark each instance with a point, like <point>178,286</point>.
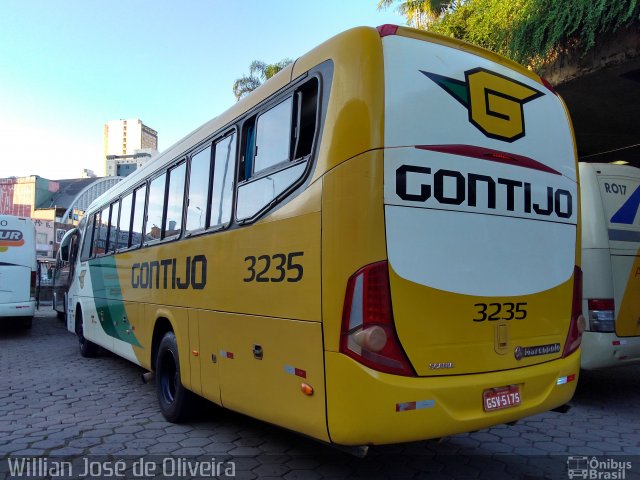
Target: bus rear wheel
<point>176,402</point>
<point>87,349</point>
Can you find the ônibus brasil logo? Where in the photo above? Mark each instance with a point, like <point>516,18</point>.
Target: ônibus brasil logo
<point>495,102</point>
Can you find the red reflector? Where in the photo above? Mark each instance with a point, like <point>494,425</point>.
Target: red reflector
<point>546,83</point>
<point>576,326</point>
<point>616,343</point>
<point>491,155</point>
<point>387,29</point>
<point>601,304</point>
<point>501,156</point>
<point>571,378</point>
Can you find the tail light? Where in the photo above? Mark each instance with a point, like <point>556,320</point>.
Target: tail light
<point>578,323</point>
<point>387,29</point>
<point>368,333</point>
<point>601,314</point>
<point>33,283</point>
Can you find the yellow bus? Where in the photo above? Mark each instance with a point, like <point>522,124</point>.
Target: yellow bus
<point>378,245</point>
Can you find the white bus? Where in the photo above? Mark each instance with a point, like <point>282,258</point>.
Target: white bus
<point>611,264</point>
<point>18,269</point>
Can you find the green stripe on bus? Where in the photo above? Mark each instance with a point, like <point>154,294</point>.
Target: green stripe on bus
<point>108,300</point>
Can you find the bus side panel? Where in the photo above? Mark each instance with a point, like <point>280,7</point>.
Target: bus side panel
<point>207,343</point>
<point>353,232</point>
<point>133,323</point>
<point>263,363</point>
<point>271,268</point>
<point>627,285</point>
<point>276,264</point>
<point>108,314</point>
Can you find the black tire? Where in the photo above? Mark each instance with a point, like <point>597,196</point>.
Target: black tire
<point>176,402</point>
<point>87,349</point>
<point>64,309</point>
<point>61,315</point>
<point>26,323</point>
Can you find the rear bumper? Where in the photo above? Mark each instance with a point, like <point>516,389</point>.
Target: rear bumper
<point>362,403</point>
<point>19,309</point>
<point>599,351</point>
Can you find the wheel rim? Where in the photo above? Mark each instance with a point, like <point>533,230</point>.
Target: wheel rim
<point>168,377</point>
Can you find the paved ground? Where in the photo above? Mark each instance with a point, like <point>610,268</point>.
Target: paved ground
<point>55,403</point>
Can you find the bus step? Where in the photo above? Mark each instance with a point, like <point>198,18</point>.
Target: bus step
<point>562,408</point>
<point>359,451</point>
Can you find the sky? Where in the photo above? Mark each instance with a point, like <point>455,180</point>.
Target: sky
<point>68,67</point>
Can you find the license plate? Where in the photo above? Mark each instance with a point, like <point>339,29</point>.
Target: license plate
<point>500,398</point>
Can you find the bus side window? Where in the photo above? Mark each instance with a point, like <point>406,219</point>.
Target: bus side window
<point>140,196</point>
<point>198,190</point>
<point>155,209</point>
<point>223,173</point>
<point>175,200</point>
<point>306,119</point>
<point>285,135</point>
<point>100,233</point>
<point>113,227</point>
<point>273,136</point>
<point>87,240</point>
<point>248,149</point>
<point>124,222</point>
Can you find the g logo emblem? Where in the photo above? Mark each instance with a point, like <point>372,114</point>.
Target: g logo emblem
<point>494,102</point>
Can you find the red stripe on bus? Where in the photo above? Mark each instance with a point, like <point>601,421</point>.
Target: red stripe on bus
<point>491,155</point>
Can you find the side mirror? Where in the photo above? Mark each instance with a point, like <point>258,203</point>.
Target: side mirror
<point>65,245</point>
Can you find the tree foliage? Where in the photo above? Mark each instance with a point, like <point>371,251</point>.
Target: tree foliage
<point>419,13</point>
<point>528,31</point>
<point>258,72</point>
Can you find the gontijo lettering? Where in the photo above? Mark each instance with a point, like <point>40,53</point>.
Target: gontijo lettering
<point>558,202</point>
<point>171,273</point>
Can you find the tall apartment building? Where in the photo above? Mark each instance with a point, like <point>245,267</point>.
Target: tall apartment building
<point>128,144</point>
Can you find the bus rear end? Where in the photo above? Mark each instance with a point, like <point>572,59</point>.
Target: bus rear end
<point>474,316</point>
<point>18,268</point>
<point>611,259</point>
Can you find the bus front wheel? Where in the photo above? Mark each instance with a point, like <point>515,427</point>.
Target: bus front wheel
<point>87,349</point>
<point>176,402</point>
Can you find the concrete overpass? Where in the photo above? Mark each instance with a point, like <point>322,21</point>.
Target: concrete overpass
<point>602,92</point>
